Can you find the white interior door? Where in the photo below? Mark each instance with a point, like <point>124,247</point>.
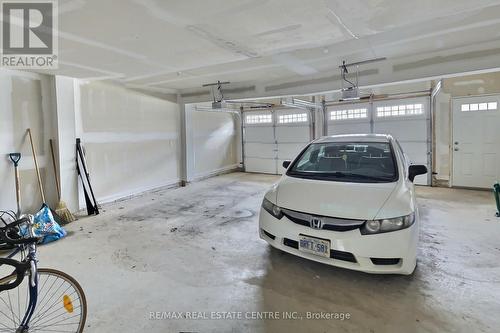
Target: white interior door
<point>260,147</point>
<point>476,141</point>
<point>292,133</point>
<point>407,120</point>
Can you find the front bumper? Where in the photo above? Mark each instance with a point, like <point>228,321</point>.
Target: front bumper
<point>349,249</point>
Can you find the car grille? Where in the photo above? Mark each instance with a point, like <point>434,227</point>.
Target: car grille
<point>326,222</point>
<point>334,254</point>
<point>385,261</point>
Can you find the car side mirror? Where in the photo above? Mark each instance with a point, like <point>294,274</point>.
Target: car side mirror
<point>415,170</point>
<point>286,164</point>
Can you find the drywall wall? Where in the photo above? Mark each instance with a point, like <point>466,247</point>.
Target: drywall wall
<point>66,138</point>
<point>132,140</point>
<point>215,142</point>
<point>472,85</point>
<point>442,126</point>
<point>22,106</point>
<point>469,85</point>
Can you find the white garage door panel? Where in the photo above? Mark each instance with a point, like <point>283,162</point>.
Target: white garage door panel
<point>260,165</point>
<point>288,151</point>
<point>416,153</point>
<point>293,134</point>
<point>408,127</point>
<point>259,134</point>
<point>261,150</point>
<point>344,125</point>
<point>348,128</point>
<point>267,145</point>
<point>403,130</point>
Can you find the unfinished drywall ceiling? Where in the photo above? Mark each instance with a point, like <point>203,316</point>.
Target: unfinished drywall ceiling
<point>175,46</point>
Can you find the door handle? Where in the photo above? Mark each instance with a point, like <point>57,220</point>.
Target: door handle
<point>456,149</point>
<point>456,142</point>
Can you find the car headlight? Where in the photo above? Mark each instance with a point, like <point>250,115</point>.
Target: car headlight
<point>272,209</point>
<point>387,225</point>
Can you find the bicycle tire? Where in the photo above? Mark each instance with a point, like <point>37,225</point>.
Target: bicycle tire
<point>71,297</point>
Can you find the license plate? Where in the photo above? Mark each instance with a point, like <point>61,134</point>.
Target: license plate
<point>315,246</point>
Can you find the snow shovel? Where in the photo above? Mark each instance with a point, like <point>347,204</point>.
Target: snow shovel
<point>15,157</point>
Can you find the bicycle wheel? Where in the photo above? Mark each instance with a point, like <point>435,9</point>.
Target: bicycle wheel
<point>61,305</point>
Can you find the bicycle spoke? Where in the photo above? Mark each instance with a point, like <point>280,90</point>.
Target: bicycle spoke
<point>61,305</point>
<point>43,298</point>
<point>40,316</point>
<point>40,313</point>
<point>52,317</point>
<point>49,330</point>
<point>18,304</point>
<point>6,327</point>
<point>40,291</point>
<point>11,309</point>
<point>34,329</point>
<point>8,317</point>
<point>55,316</point>
<point>58,322</point>
<point>48,300</point>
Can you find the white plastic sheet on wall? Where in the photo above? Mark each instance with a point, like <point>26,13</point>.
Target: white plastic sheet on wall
<point>215,142</point>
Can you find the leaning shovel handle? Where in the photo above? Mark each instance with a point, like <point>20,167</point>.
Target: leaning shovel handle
<point>36,166</point>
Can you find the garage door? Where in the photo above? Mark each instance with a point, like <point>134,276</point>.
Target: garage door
<point>293,133</point>
<point>476,141</point>
<point>349,118</point>
<point>259,142</point>
<point>407,120</point>
<point>270,137</point>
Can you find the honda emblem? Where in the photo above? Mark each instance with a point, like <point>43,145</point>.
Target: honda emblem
<point>316,223</point>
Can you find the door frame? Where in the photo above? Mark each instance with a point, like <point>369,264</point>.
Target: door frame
<point>454,101</point>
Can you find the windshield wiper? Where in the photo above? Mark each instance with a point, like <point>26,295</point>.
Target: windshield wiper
<point>367,176</point>
<point>336,175</point>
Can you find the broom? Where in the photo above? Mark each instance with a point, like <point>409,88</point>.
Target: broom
<point>61,208</point>
<point>57,218</point>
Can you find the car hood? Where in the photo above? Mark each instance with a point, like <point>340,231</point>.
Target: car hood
<point>335,199</point>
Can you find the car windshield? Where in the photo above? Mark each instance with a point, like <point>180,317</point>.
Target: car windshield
<point>361,162</point>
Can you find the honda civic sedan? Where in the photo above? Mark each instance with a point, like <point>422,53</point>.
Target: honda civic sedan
<point>347,201</point>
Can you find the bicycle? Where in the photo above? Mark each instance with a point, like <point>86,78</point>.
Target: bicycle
<point>36,299</point>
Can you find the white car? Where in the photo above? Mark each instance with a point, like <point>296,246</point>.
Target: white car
<point>347,201</point>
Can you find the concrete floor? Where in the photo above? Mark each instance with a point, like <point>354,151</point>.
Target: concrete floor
<point>197,249</point>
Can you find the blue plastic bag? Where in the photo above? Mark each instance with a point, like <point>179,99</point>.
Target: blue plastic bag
<point>46,227</point>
